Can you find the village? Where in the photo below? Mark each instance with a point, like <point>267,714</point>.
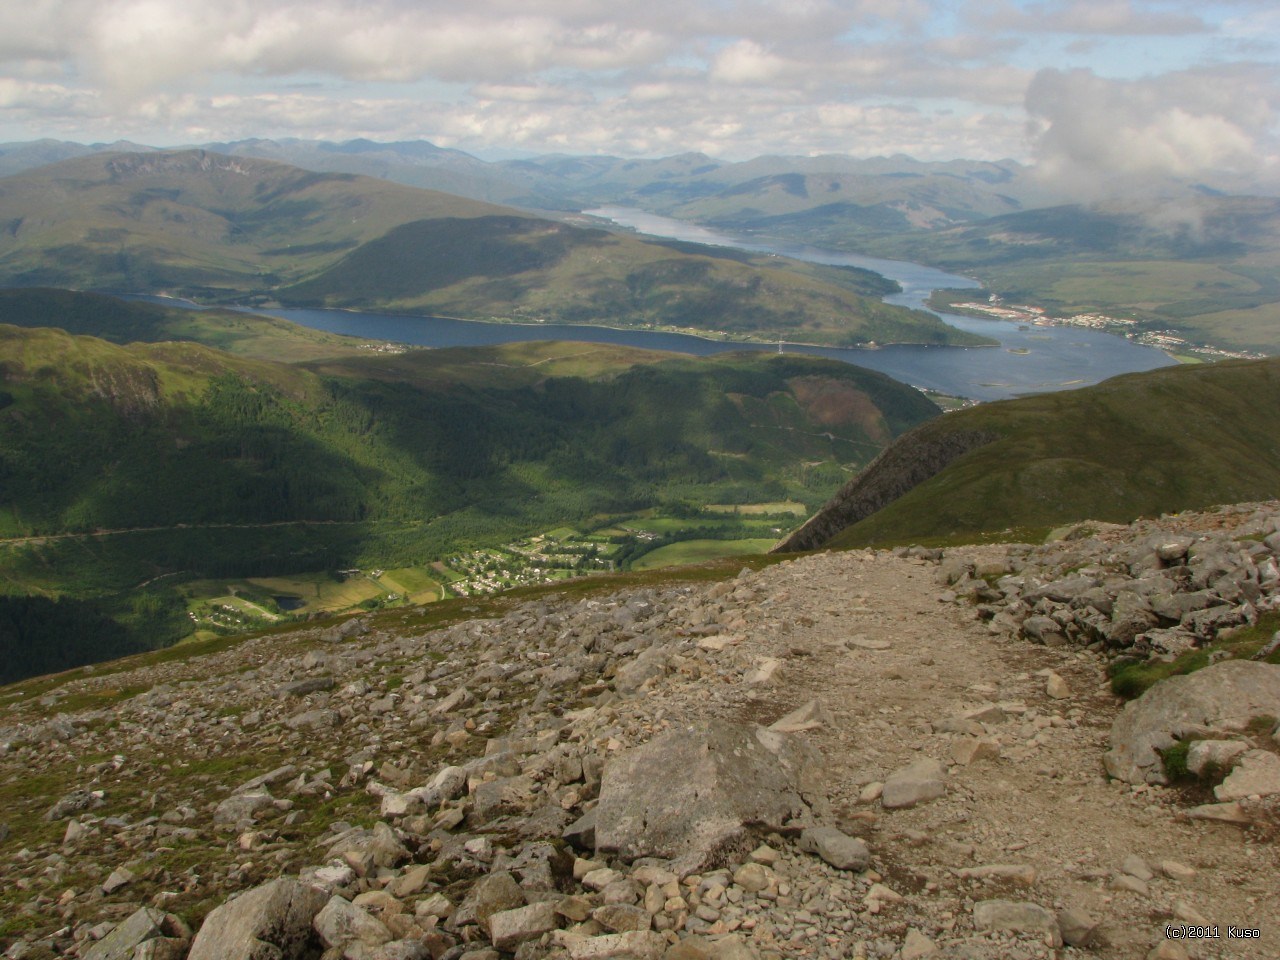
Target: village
<point>1165,340</point>
<point>532,560</point>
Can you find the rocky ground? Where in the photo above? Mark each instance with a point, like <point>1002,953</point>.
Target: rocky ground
<point>589,775</point>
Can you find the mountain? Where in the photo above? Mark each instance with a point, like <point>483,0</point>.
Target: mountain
<point>1174,439</point>
<point>1203,268</point>
<point>228,228</point>
<point>128,471</point>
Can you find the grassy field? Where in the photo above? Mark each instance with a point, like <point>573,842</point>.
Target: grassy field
<point>791,507</point>
<point>412,583</point>
<point>698,551</point>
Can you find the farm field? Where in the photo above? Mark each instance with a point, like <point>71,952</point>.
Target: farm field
<point>792,507</point>
<point>697,551</point>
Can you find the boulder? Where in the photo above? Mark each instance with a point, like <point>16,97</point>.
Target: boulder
<point>1223,696</point>
<point>273,920</point>
<point>691,794</point>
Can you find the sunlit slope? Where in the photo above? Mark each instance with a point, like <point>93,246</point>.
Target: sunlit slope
<point>1173,439</point>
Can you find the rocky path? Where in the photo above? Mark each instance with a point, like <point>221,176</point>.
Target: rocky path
<point>899,670</point>
<point>462,790</point>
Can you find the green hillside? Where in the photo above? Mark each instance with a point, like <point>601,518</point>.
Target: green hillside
<point>1173,439</point>
<point>126,471</point>
<point>516,268</point>
<point>218,228</point>
<point>132,321</point>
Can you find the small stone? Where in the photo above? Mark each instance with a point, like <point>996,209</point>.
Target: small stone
<point>120,877</point>
<point>1078,928</point>
<point>1257,773</point>
<point>1177,871</point>
<point>621,917</point>
<point>916,946</point>
<point>966,750</point>
<point>1124,882</point>
<point>1168,950</point>
<point>1056,688</point>
<point>836,848</point>
<point>637,945</point>
<point>1017,917</point>
<point>1230,812</point>
<point>752,877</point>
<point>1135,866</point>
<point>913,784</point>
<point>509,928</point>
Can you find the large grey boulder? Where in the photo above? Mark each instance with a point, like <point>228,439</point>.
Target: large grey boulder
<point>1222,697</point>
<point>692,794</point>
<point>270,922</point>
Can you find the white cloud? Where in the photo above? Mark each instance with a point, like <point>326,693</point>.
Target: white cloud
<point>1092,133</point>
<point>937,78</point>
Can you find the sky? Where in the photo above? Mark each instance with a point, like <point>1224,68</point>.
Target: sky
<point>1081,88</point>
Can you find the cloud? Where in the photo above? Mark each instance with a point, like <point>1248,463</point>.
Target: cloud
<point>1098,17</point>
<point>1092,134</point>
<point>937,78</point>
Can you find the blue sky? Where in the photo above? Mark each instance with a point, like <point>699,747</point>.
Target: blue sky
<point>1086,88</point>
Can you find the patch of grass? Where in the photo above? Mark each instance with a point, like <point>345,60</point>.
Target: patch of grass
<point>1130,680</point>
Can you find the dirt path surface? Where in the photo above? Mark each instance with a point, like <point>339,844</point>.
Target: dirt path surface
<point>897,667</point>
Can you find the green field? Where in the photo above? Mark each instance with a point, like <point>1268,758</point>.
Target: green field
<point>791,507</point>
<point>697,551</point>
<point>412,583</point>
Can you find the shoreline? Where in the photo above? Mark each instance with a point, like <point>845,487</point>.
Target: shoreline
<point>704,335</point>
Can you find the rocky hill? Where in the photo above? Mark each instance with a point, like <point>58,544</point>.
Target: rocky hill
<point>862,754</point>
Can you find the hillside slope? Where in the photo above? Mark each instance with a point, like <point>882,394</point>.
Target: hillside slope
<point>132,321</point>
<point>219,228</point>
<point>1173,439</point>
<point>476,776</point>
<point>126,471</point>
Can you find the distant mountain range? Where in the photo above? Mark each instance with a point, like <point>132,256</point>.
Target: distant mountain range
<point>216,228</point>
<point>1201,266</point>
